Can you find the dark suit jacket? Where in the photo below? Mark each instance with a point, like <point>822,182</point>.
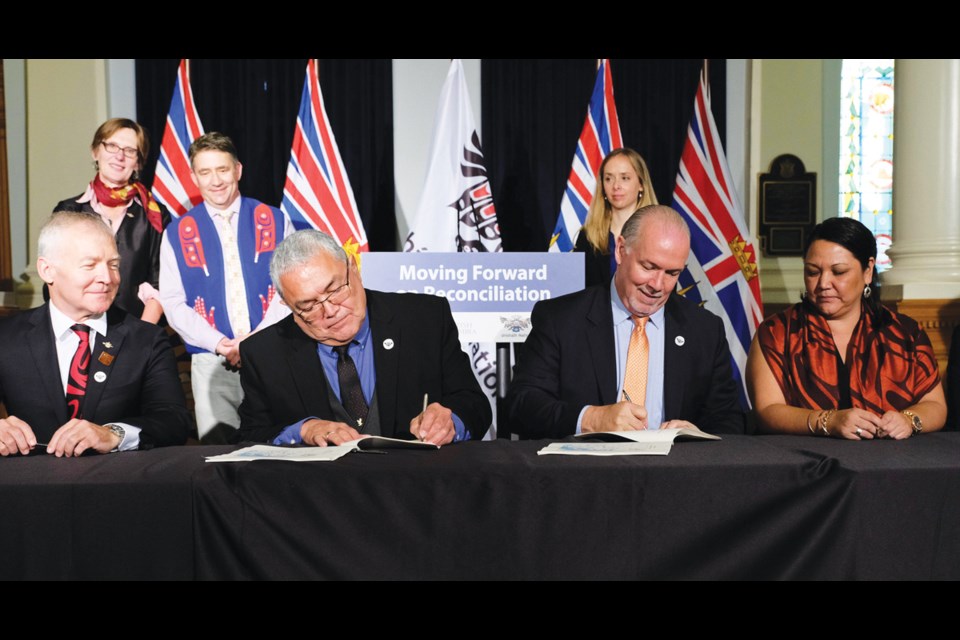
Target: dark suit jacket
<point>283,380</point>
<point>142,387</point>
<point>952,387</point>
<point>569,362</point>
<point>139,246</point>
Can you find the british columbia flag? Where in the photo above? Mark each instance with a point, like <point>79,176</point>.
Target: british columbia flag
<point>172,184</point>
<point>317,193</point>
<point>600,136</point>
<point>722,272</point>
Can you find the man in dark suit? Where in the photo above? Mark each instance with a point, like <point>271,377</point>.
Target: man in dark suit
<point>76,377</point>
<point>349,362</point>
<point>589,351</point>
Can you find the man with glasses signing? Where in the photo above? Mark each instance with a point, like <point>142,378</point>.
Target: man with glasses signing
<point>350,362</point>
<point>215,282</point>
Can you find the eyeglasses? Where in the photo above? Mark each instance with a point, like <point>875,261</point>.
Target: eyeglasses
<point>129,152</point>
<point>335,298</point>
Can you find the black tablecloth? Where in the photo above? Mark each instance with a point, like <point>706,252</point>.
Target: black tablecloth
<point>748,507</point>
<point>117,516</point>
<point>902,504</point>
<point>744,508</point>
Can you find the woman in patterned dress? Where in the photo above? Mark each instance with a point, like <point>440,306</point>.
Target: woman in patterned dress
<point>839,363</point>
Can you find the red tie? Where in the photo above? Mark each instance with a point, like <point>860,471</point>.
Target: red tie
<point>77,376</point>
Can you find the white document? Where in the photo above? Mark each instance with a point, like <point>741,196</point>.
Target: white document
<point>650,442</point>
<point>648,435</point>
<point>607,448</point>
<point>293,454</point>
<point>318,454</point>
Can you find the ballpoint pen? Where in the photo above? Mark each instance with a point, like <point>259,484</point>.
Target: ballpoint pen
<point>424,410</point>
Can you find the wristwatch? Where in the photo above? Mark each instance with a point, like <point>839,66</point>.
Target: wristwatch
<point>914,420</point>
<point>118,430</point>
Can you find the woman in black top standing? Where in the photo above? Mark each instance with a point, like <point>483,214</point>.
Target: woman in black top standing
<point>119,149</point>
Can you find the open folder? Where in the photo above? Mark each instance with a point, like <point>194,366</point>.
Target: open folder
<point>650,442</point>
<point>647,435</point>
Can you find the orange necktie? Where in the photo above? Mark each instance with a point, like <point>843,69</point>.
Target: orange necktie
<point>638,353</point>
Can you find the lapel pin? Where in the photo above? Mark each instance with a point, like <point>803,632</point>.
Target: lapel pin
<point>108,345</point>
<point>105,358</point>
<point>679,340</point>
<point>388,344</point>
<point>99,376</point>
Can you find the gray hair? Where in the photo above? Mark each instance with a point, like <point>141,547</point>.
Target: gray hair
<point>659,212</point>
<point>58,226</point>
<point>299,248</point>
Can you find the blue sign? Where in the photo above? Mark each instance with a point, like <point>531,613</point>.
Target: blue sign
<point>491,294</point>
<point>488,282</point>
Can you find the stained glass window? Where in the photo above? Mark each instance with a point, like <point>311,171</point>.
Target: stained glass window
<point>866,148</point>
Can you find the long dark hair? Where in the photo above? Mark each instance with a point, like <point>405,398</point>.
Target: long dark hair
<point>853,236</point>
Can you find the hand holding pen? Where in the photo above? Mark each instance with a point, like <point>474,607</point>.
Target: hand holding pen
<point>434,424</point>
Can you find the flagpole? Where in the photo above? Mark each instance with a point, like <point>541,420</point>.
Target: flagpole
<point>706,76</point>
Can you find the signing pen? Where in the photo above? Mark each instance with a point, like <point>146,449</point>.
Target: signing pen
<point>426,399</point>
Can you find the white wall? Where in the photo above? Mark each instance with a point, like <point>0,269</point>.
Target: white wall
<point>121,89</point>
<point>14,93</point>
<point>738,130</point>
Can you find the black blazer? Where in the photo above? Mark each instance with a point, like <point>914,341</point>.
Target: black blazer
<point>283,380</point>
<point>596,265</point>
<point>142,387</point>
<point>569,362</point>
<point>139,246</point>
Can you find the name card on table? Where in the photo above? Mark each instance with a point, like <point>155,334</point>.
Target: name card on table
<point>491,294</point>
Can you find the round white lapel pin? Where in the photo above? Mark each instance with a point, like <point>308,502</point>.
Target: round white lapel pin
<point>679,340</point>
<point>99,376</point>
<point>388,344</point>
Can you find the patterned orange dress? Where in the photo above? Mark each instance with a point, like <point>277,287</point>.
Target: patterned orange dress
<point>891,364</point>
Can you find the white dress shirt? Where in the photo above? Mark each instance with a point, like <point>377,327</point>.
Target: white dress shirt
<point>67,341</point>
<point>192,327</point>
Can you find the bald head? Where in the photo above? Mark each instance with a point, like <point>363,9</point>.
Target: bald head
<point>659,213</point>
<point>651,253</point>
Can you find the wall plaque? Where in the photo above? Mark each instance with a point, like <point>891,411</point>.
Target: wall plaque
<point>788,212</point>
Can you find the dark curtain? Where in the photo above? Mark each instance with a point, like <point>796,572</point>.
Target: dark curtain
<point>533,111</point>
<point>256,103</point>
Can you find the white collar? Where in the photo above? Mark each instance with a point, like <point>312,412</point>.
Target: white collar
<point>61,323</point>
<point>232,207</point>
<point>620,313</point>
